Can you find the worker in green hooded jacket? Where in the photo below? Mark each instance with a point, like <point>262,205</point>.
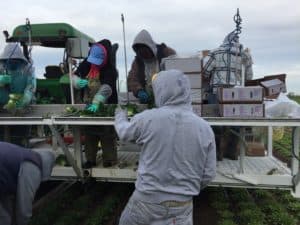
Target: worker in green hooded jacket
<point>17,87</point>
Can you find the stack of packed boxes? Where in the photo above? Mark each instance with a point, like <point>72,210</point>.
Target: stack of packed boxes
<point>191,66</point>
<point>243,102</point>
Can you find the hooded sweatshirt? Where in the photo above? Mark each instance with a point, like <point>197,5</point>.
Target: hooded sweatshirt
<point>178,155</point>
<point>11,157</point>
<point>224,64</point>
<point>107,80</point>
<point>22,77</point>
<point>139,76</point>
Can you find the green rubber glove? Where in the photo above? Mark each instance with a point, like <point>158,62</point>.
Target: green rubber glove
<point>93,107</point>
<point>5,79</point>
<point>82,83</point>
<point>24,101</point>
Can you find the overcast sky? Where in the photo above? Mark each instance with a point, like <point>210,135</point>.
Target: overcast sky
<point>269,28</point>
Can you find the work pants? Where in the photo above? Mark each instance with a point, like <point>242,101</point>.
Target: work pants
<point>138,212</point>
<point>107,137</point>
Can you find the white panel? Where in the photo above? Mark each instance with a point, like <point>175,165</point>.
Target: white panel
<point>186,65</point>
<point>77,47</point>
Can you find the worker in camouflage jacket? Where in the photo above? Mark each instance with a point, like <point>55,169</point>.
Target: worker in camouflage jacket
<point>97,77</point>
<point>21,172</point>
<point>224,67</point>
<point>146,63</point>
<point>177,158</point>
<point>17,88</point>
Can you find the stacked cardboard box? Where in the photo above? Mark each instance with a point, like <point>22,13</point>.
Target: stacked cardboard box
<point>191,66</point>
<point>273,87</point>
<point>241,101</point>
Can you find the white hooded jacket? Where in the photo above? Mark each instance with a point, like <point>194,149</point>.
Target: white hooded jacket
<point>178,155</point>
<point>224,64</point>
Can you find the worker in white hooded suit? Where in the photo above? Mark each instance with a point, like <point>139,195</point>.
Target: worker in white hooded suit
<point>224,67</point>
<point>16,78</point>
<point>16,75</point>
<point>21,172</point>
<point>178,155</point>
<point>225,64</point>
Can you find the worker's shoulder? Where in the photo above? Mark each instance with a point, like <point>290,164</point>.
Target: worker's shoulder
<point>150,112</point>
<point>200,121</point>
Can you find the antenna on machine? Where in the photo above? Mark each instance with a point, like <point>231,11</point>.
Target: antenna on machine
<point>238,20</point>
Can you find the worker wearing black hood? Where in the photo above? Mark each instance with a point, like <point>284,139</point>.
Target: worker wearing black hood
<point>96,72</point>
<point>97,76</point>
<point>146,63</point>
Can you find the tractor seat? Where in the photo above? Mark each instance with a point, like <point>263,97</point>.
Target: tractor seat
<point>53,71</point>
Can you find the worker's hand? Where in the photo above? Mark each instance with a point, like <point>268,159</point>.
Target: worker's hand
<point>24,101</point>
<point>82,83</point>
<point>5,79</point>
<point>143,96</point>
<point>93,107</point>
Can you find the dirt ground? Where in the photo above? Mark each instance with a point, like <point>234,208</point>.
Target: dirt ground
<point>203,213</point>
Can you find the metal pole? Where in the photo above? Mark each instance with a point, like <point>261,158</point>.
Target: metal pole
<point>125,55</point>
<point>71,80</point>
<point>28,27</point>
<point>29,37</point>
<point>270,141</point>
<point>238,30</point>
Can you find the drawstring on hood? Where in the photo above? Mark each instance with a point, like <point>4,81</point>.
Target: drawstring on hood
<point>144,38</point>
<point>171,87</point>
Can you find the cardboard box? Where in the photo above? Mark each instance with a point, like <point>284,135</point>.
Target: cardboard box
<point>196,95</point>
<point>256,82</point>
<point>281,77</point>
<point>273,87</point>
<point>197,109</point>
<point>242,110</point>
<point>186,65</point>
<point>210,110</point>
<point>255,149</point>
<point>251,94</point>
<point>195,80</point>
